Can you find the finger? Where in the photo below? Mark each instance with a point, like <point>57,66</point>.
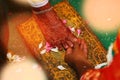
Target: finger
<point>59,45</point>
<point>82,45</point>
<point>76,43</point>
<point>68,55</point>
<point>72,38</point>
<point>69,43</point>
<point>79,41</point>
<point>85,49</point>
<point>69,51</point>
<point>65,45</point>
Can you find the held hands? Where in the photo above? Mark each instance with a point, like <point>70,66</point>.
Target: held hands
<point>76,57</point>
<point>77,53</point>
<point>61,38</point>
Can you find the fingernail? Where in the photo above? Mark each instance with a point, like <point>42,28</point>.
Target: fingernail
<point>66,46</point>
<point>68,53</point>
<point>75,39</point>
<point>71,45</point>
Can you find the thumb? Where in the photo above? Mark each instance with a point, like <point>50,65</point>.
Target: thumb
<point>69,51</point>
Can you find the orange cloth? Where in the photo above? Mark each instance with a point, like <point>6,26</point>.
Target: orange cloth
<point>31,35</point>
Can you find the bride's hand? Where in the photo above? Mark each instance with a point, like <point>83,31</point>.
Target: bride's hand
<point>54,30</point>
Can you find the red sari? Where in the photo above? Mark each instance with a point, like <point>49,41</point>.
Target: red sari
<point>111,72</point>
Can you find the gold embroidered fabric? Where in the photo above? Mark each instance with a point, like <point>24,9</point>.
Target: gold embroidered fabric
<point>32,36</point>
<point>96,52</point>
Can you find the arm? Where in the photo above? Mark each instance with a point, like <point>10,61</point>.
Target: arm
<point>77,57</point>
<point>53,29</point>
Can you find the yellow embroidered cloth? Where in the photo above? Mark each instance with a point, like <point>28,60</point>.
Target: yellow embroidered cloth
<point>32,36</point>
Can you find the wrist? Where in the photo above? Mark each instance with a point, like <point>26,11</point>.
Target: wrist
<point>81,68</point>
